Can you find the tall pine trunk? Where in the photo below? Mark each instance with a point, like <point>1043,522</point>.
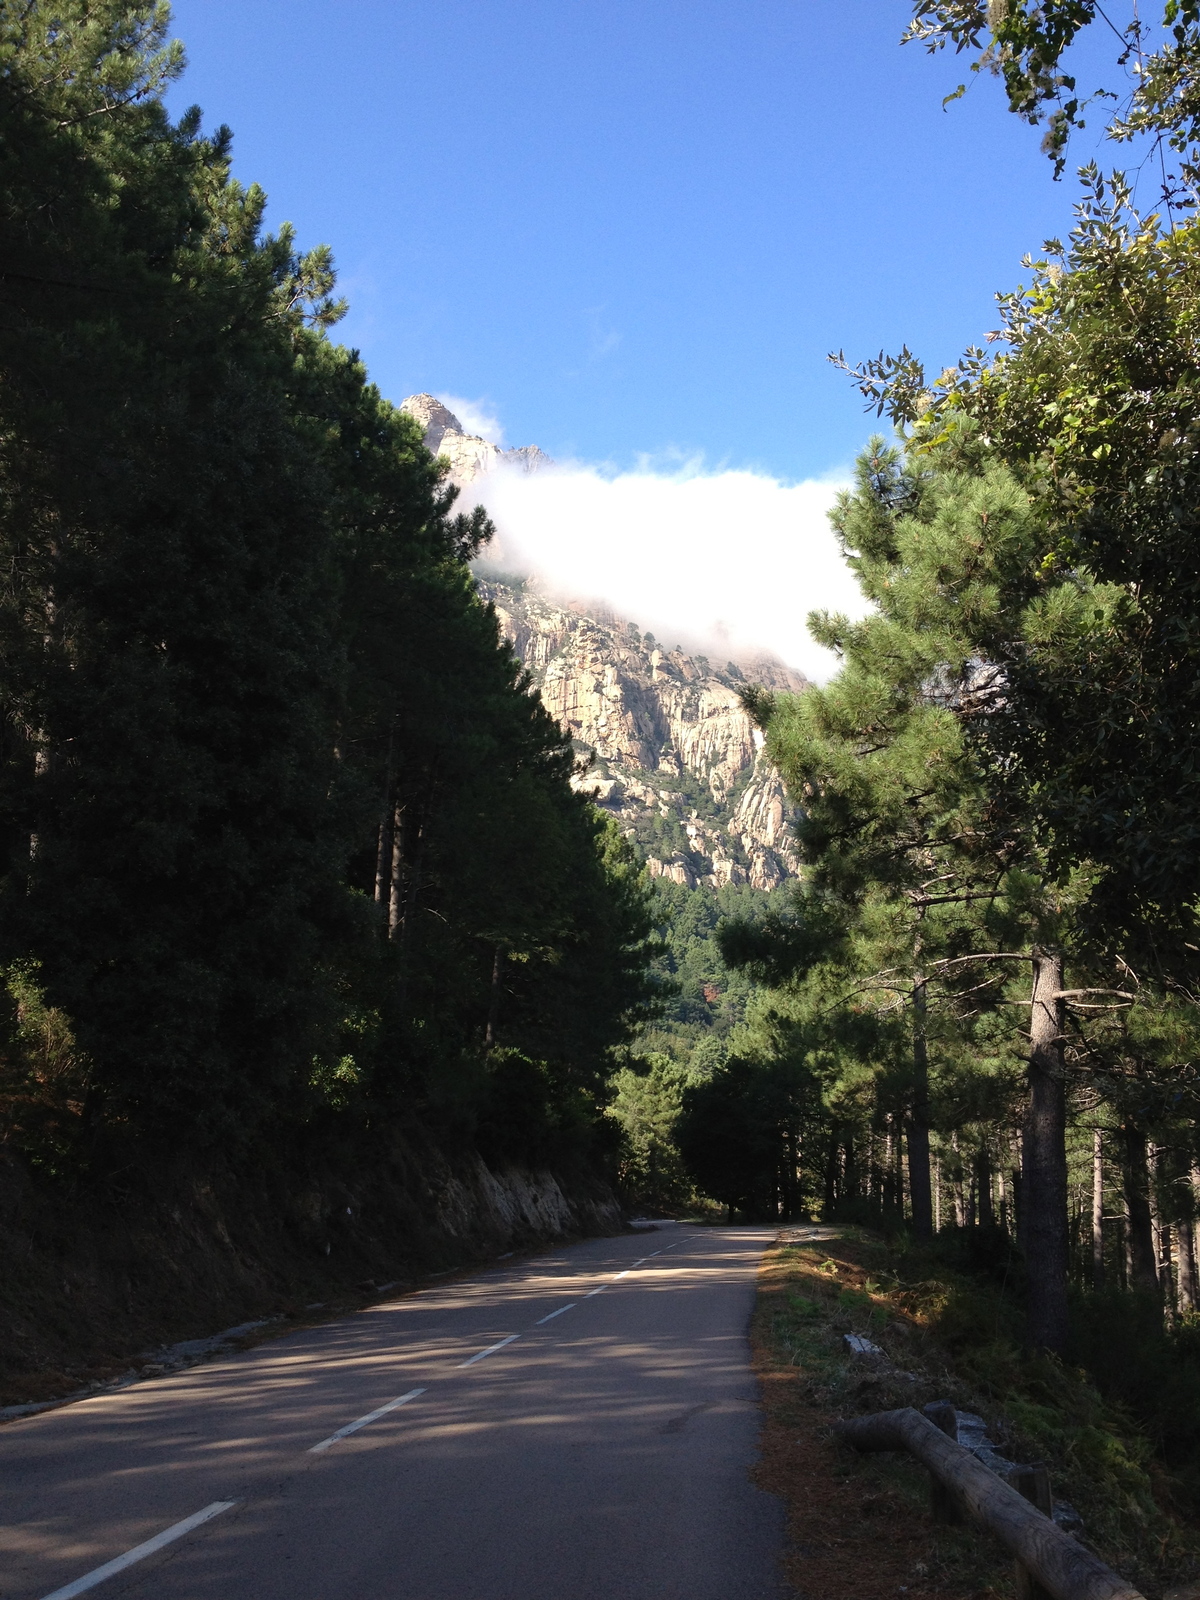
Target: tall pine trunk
<point>987,1215</point>
<point>1161,1230</point>
<point>383,850</point>
<point>1143,1273</point>
<point>1191,1265</point>
<point>831,1176</point>
<point>1187,1265</point>
<point>1097,1209</point>
<point>956,1184</point>
<point>919,1186</point>
<point>1044,1167</point>
<point>396,876</point>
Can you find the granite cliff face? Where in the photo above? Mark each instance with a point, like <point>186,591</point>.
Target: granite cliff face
<point>672,755</point>
<point>470,456</point>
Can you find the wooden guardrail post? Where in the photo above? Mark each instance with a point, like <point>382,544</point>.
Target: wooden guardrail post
<point>1034,1483</point>
<point>943,1504</point>
<point>1053,1559</point>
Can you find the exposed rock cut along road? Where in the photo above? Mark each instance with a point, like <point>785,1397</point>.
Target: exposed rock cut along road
<point>576,1427</point>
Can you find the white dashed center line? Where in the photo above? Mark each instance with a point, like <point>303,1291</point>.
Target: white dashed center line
<point>491,1350</point>
<point>140,1551</point>
<point>179,1529</point>
<point>371,1416</point>
<point>557,1313</point>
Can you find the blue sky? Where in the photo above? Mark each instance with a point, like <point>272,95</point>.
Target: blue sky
<point>632,229</point>
<point>631,225</point>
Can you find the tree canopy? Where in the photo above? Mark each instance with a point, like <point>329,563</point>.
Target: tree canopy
<point>1027,43</point>
<point>284,835</point>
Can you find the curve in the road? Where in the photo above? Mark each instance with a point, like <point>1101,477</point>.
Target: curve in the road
<point>552,1458</point>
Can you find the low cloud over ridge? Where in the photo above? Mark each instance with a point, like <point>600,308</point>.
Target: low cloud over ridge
<point>727,562</point>
<point>476,416</point>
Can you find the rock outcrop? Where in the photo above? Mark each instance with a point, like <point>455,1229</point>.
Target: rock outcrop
<point>671,753</point>
<point>469,455</point>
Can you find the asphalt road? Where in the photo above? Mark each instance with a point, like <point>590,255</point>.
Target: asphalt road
<point>600,1452</point>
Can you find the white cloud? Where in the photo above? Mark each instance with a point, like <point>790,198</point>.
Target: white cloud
<point>477,416</point>
<point>728,562</point>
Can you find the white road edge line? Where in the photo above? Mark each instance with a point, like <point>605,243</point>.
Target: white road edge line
<point>361,1422</point>
<point>140,1551</point>
<point>557,1313</point>
<point>491,1350</point>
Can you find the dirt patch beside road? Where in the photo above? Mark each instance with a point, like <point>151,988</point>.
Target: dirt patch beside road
<point>859,1526</point>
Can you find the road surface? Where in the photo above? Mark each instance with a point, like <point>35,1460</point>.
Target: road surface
<point>579,1426</point>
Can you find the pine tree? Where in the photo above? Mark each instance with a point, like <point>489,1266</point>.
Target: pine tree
<point>285,834</point>
<point>887,763</point>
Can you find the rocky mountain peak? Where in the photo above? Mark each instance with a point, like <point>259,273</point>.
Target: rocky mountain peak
<point>670,751</point>
<point>433,416</point>
<point>470,455</point>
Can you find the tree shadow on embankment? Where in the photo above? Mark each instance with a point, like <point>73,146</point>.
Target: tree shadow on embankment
<point>98,1286</point>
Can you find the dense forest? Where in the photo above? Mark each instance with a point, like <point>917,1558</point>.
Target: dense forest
<point>289,855</point>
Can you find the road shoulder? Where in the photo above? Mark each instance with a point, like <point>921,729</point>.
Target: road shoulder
<point>859,1527</point>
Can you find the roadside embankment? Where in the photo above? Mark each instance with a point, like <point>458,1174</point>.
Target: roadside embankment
<point>95,1282</point>
<point>860,1525</point>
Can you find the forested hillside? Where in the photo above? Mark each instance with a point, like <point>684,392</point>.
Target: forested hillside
<point>292,866</point>
<point>672,757</point>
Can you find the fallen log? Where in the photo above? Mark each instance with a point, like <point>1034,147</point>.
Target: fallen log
<point>1053,1558</point>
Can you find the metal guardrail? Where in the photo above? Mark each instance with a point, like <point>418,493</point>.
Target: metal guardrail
<point>1049,1561</point>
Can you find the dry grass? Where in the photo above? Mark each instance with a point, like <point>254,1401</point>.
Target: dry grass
<point>859,1526</point>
